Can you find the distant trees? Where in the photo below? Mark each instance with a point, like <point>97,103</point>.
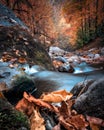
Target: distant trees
<point>36,14</point>
<point>16,4</point>
<point>85,17</point>
<point>89,15</point>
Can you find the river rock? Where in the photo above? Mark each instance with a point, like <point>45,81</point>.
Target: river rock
<point>81,87</point>
<point>102,51</point>
<point>74,58</point>
<point>60,58</point>
<point>66,68</point>
<point>97,56</point>
<point>56,51</point>
<point>92,101</point>
<point>19,85</point>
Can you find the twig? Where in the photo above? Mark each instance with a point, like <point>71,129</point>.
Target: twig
<point>84,87</point>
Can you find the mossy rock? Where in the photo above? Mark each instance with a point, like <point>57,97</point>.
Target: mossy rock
<point>10,119</point>
<point>20,84</point>
<point>19,43</point>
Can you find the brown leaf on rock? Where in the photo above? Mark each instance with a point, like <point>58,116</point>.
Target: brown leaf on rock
<point>36,121</point>
<point>6,57</point>
<point>94,127</point>
<point>25,106</point>
<point>78,121</point>
<point>96,121</point>
<point>56,63</point>
<point>1,95</point>
<point>56,96</point>
<point>22,60</point>
<point>57,127</point>
<point>39,102</point>
<point>3,86</point>
<point>17,52</point>
<point>65,124</point>
<point>65,110</point>
<point>70,119</point>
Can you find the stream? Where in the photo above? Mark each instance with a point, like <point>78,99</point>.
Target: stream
<point>47,81</point>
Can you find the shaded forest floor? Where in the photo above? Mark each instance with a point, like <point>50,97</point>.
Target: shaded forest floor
<point>98,42</point>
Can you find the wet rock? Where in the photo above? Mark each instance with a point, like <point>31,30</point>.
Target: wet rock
<point>92,101</point>
<point>102,51</point>
<point>97,56</point>
<point>91,55</point>
<point>74,58</point>
<point>66,68</point>
<point>81,87</point>
<point>3,86</point>
<point>5,75</point>
<point>62,59</point>
<point>18,86</point>
<point>56,51</point>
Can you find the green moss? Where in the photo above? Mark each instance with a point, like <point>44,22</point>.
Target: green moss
<point>10,119</point>
<point>20,84</point>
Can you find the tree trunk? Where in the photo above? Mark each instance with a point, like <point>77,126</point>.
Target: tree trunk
<point>96,18</point>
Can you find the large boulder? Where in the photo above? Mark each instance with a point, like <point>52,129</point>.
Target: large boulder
<point>92,101</point>
<point>17,42</point>
<point>81,87</point>
<point>19,85</point>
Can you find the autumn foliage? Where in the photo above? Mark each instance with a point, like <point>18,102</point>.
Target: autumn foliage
<point>73,22</point>
<point>86,18</point>
<point>67,117</point>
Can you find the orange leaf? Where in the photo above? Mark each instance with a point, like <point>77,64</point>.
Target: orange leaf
<point>56,96</point>
<point>25,106</point>
<point>1,95</point>
<point>39,102</point>
<point>22,60</point>
<point>36,121</point>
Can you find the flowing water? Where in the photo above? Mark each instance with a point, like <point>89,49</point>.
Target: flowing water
<point>50,80</point>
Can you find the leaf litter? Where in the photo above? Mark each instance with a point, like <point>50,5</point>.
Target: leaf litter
<point>64,117</point>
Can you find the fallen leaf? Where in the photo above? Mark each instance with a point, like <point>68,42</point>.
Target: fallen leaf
<point>36,121</point>
<point>65,110</point>
<point>17,52</point>
<point>69,118</point>
<point>57,127</point>
<point>56,96</point>
<point>22,60</point>
<point>56,63</point>
<point>39,102</point>
<point>25,106</point>
<point>78,121</point>
<point>3,86</point>
<point>6,58</point>
<point>65,124</point>
<point>1,95</point>
<point>96,121</point>
<point>94,127</point>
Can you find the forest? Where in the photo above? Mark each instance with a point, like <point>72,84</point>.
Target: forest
<point>74,22</point>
